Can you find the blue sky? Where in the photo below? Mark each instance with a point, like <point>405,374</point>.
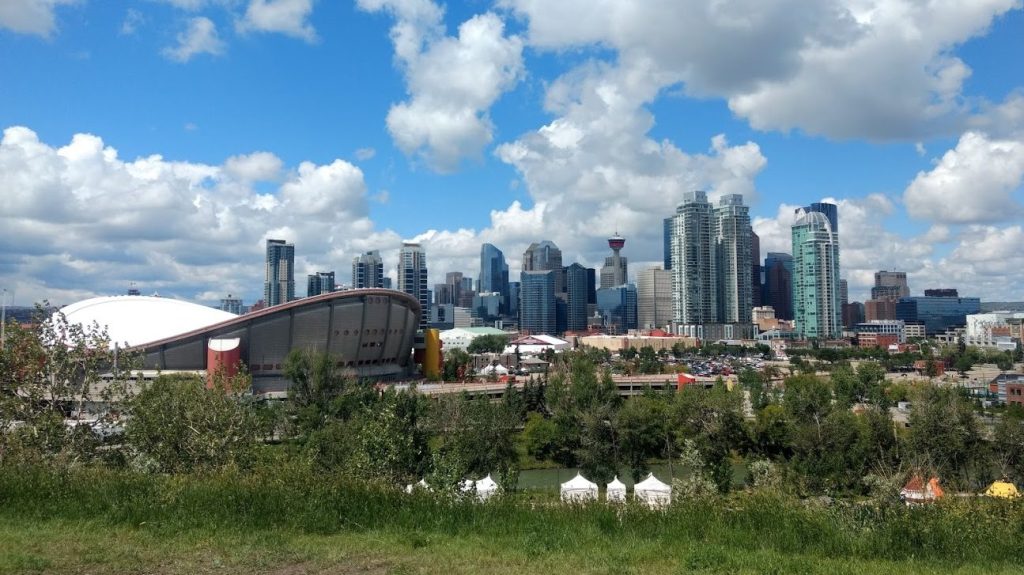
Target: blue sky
<point>161,142</point>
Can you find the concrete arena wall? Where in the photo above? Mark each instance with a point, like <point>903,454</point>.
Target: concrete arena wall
<point>369,332</point>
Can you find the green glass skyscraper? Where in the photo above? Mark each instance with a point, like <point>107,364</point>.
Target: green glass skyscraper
<point>816,299</point>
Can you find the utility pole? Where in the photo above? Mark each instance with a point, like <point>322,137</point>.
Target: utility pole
<point>3,320</point>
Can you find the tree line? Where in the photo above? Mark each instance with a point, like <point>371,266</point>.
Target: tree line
<point>810,434</point>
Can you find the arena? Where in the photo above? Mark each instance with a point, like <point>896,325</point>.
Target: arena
<point>369,332</point>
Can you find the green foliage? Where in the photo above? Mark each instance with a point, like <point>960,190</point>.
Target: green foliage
<point>773,432</point>
<point>643,432</point>
<point>177,425</point>
<point>50,374</point>
<point>699,481</point>
<point>475,437</point>
<point>647,361</point>
<point>746,533</point>
<point>1008,444</point>
<point>490,343</point>
<point>457,364</point>
<point>945,437</point>
<point>390,445</point>
<point>713,419</point>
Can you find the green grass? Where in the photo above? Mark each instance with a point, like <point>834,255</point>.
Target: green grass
<point>291,521</point>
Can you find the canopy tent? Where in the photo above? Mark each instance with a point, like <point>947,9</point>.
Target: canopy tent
<point>421,484</point>
<point>917,491</point>
<point>616,491</point>
<point>653,492</point>
<point>485,488</point>
<point>1003,490</point>
<point>494,369</point>
<point>579,489</point>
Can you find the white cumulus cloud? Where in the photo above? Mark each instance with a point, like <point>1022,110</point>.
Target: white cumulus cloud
<point>876,69</point>
<point>452,81</point>
<point>972,183</point>
<point>289,17</point>
<point>200,37</point>
<point>81,221</point>
<point>34,17</point>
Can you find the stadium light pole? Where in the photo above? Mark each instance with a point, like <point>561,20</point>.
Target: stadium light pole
<point>3,320</point>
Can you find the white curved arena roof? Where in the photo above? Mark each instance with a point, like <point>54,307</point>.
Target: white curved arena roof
<point>135,320</point>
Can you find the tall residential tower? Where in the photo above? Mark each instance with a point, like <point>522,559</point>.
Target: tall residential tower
<point>368,270</point>
<point>279,285</point>
<point>412,277</point>
<point>816,290</point>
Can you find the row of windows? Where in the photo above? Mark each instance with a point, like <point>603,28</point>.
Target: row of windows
<point>368,331</point>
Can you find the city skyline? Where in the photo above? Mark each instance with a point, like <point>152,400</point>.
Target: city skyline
<point>244,123</point>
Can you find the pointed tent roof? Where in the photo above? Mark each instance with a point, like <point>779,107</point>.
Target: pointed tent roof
<point>652,485</point>
<point>1002,489</point>
<point>578,488</point>
<point>579,482</point>
<point>918,491</point>
<point>486,487</point>
<point>616,490</point>
<point>498,369</point>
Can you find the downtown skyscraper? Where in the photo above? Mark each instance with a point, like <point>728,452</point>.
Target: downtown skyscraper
<point>694,270</point>
<point>494,275</point>
<point>412,277</point>
<point>817,309</point>
<point>732,238</point>
<point>368,270</point>
<point>711,267</point>
<point>319,283</point>
<point>279,285</point>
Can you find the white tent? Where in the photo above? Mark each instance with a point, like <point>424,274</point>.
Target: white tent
<point>616,491</point>
<point>467,485</point>
<point>578,490</point>
<point>421,484</point>
<point>494,369</point>
<point>486,487</point>
<point>653,492</point>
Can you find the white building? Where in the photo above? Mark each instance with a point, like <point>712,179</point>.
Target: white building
<point>994,329</point>
<point>461,337</point>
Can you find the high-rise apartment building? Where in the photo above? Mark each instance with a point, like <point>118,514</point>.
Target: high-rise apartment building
<point>816,291</point>
<point>667,224</point>
<point>494,274</point>
<point>614,272</point>
<point>279,285</point>
<point>318,283</point>
<point>711,265</point>
<point>412,277</point>
<point>368,271</point>
<point>732,236</point>
<point>654,298</point>
<point>829,210</point>
<point>694,271</point>
<point>537,311</point>
<point>756,271</point>
<point>576,298</point>
<point>231,305</point>
<point>778,273</point>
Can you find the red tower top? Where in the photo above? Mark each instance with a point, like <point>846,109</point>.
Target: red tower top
<point>616,242</point>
